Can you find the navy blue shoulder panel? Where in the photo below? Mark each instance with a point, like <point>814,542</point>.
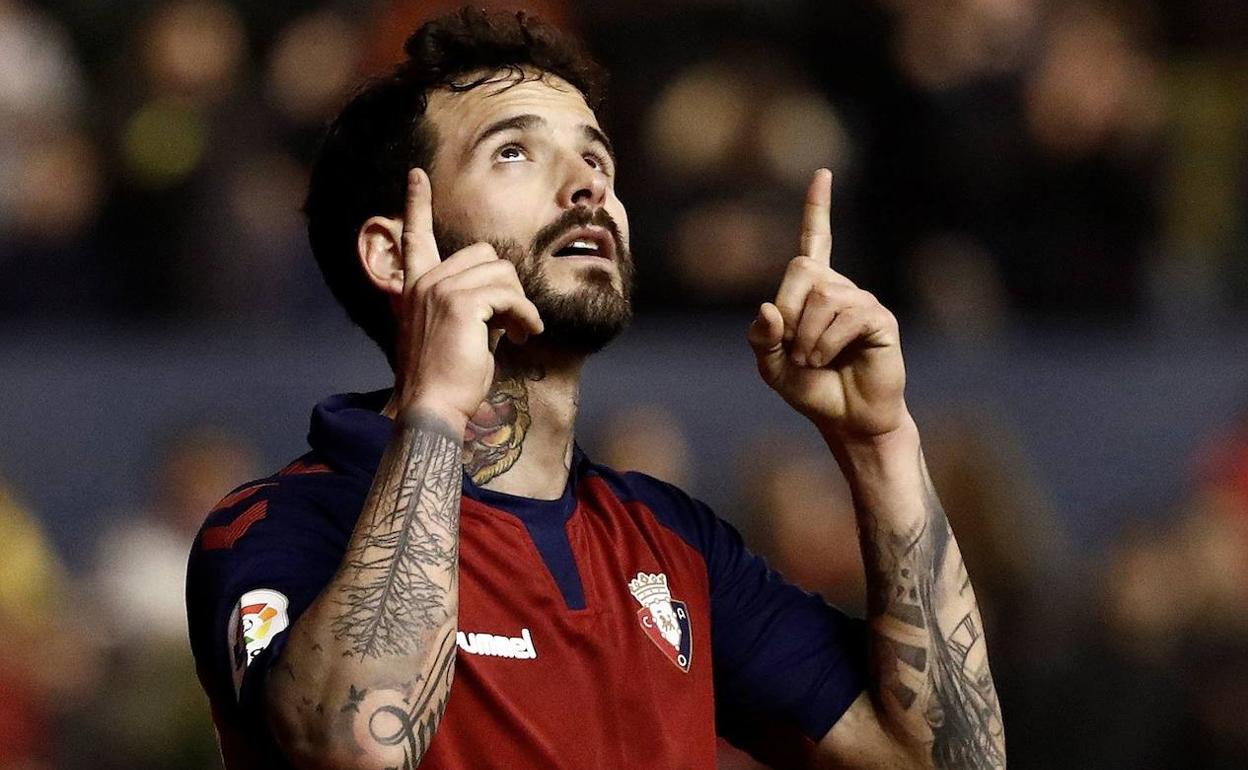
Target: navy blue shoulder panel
<point>781,655</point>
<point>689,518</point>
<point>281,536</point>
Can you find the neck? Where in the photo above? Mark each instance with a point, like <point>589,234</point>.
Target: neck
<point>520,439</point>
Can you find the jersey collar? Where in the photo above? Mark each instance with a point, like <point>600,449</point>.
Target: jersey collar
<point>349,431</point>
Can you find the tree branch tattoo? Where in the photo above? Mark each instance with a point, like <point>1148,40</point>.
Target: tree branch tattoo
<point>383,632</point>
<point>403,566</point>
<point>927,646</point>
<point>495,434</point>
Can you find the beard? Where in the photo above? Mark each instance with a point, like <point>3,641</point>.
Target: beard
<point>579,322</point>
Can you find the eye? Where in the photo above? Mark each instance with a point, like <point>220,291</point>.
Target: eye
<point>511,153</point>
<point>597,162</point>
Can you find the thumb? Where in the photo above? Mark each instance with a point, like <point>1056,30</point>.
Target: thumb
<point>766,336</point>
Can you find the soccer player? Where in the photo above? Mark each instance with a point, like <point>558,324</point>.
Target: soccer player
<point>447,581</point>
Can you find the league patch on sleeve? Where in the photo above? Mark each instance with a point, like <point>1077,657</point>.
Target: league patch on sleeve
<point>259,616</point>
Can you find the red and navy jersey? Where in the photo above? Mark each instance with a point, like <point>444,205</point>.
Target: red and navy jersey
<point>622,625</point>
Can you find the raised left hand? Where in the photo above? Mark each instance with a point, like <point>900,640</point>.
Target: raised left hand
<point>830,349</point>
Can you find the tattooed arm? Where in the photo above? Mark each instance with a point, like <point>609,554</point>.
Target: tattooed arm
<point>931,701</point>
<point>367,671</point>
<point>833,352</point>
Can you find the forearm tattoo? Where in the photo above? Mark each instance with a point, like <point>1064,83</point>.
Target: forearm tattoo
<point>401,723</point>
<point>401,574</point>
<point>927,649</point>
<point>397,596</point>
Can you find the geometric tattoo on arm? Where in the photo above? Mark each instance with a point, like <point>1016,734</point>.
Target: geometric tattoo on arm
<point>917,580</point>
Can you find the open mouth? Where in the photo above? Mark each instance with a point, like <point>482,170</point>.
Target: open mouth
<point>586,242</point>
<point>579,248</point>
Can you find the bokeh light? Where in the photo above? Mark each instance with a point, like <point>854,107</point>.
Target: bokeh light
<point>194,49</point>
<point>313,66</point>
<point>698,119</point>
<point>801,131</point>
<point>164,141</point>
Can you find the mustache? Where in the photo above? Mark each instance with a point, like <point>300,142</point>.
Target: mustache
<point>581,216</point>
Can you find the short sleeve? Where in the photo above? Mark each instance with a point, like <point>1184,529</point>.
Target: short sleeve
<point>787,663</point>
<point>263,556</point>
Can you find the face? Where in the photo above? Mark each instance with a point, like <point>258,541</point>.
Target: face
<point>524,166</point>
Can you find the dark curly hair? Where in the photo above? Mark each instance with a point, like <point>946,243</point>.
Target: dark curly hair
<point>361,169</point>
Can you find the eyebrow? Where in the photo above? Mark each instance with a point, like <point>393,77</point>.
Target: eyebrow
<point>594,134</point>
<point>516,122</point>
<point>529,122</point>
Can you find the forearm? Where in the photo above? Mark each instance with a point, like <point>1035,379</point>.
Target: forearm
<point>366,673</point>
<point>930,680</point>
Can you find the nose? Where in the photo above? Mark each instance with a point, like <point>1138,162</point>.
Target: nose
<point>582,185</point>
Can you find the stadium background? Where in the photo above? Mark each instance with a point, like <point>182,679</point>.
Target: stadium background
<point>1052,195</point>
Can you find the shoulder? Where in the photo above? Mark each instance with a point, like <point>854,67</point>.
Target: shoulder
<point>284,532</point>
<point>634,486</point>
<point>305,496</point>
<point>690,518</point>
<point>304,481</point>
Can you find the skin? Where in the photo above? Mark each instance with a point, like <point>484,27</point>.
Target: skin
<point>372,661</point>
<point>550,168</point>
<point>833,353</point>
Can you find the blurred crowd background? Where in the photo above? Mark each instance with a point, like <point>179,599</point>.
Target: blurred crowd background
<point>1051,194</point>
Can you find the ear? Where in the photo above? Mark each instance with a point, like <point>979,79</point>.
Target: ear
<point>379,247</point>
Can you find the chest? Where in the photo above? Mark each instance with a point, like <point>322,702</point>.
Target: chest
<point>590,652</point>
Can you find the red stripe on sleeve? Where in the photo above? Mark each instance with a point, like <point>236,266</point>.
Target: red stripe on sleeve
<point>226,535</point>
<point>235,498</point>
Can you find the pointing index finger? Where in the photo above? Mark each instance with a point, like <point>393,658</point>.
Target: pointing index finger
<point>420,250</point>
<point>816,240</point>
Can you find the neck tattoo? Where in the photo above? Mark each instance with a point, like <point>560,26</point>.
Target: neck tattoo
<point>495,434</point>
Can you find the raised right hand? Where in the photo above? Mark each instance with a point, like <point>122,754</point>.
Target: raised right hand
<point>444,361</point>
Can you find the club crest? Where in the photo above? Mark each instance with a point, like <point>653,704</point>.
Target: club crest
<point>665,620</point>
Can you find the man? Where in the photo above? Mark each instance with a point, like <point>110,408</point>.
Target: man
<point>447,581</point>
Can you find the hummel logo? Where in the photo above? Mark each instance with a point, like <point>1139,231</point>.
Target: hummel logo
<point>497,646</point>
